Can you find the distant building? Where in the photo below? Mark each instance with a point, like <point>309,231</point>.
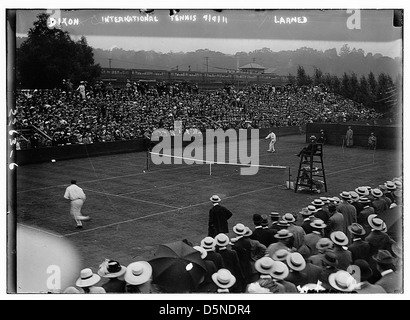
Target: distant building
<point>252,68</point>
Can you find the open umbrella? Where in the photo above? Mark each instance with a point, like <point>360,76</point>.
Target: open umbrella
<point>177,267</point>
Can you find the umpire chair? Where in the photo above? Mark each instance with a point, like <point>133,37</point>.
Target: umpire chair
<point>308,171</point>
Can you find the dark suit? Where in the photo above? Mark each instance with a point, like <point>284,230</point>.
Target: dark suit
<point>243,249</point>
<point>216,259</point>
<point>264,236</point>
<point>114,285</point>
<point>360,249</point>
<point>306,225</point>
<point>391,282</point>
<point>218,220</point>
<point>322,214</point>
<point>344,257</point>
<point>379,240</point>
<point>231,262</point>
<point>311,240</point>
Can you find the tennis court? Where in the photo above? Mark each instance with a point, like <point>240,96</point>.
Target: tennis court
<point>133,211</point>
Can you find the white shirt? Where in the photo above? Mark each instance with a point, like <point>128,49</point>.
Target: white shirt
<point>74,192</point>
<point>271,136</point>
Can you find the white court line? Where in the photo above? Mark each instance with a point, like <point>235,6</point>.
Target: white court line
<point>139,200</point>
<point>40,230</point>
<point>192,206</point>
<point>163,212</point>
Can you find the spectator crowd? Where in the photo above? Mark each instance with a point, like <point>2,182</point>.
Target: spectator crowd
<point>100,113</point>
<point>349,243</point>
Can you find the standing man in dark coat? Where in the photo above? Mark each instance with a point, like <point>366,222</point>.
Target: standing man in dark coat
<point>218,218</point>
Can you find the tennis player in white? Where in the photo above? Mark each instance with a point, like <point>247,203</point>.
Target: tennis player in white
<point>272,137</point>
<point>77,197</point>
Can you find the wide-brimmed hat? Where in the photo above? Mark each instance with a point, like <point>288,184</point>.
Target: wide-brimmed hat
<point>138,272</point>
<point>279,270</point>
<point>345,195</point>
<point>111,269</point>
<point>354,196</point>
<point>248,232</point>
<point>215,198</point>
<point>377,193</point>
<point>283,234</point>
<point>221,240</point>
<point>311,209</point>
<point>87,278</point>
<point>274,214</point>
<point>325,199</point>
<point>318,203</point>
<point>356,229</point>
<point>398,184</point>
<point>383,257</point>
<point>280,255</point>
<point>202,251</point>
<point>223,278</point>
<point>375,222</point>
<point>288,217</point>
<point>334,200</point>
<point>365,271</point>
<point>390,185</point>
<point>265,220</point>
<point>324,244</point>
<point>312,137</point>
<point>339,238</point>
<point>295,261</point>
<point>264,265</point>
<point>239,229</point>
<point>330,258</point>
<point>364,200</point>
<point>342,281</point>
<point>362,191</point>
<point>283,223</point>
<point>208,243</point>
<point>303,211</point>
<point>318,224</point>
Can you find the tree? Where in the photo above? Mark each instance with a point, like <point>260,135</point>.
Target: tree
<point>318,77</point>
<point>302,78</point>
<point>49,55</point>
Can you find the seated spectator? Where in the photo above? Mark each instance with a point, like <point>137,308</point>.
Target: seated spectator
<point>114,272</point>
<point>86,283</point>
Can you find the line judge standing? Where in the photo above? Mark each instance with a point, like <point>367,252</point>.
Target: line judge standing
<point>218,218</point>
<point>77,197</point>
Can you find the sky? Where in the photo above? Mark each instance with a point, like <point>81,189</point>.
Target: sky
<point>228,31</point>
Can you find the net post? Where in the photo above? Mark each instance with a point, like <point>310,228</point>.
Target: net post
<point>147,160</point>
<point>210,168</point>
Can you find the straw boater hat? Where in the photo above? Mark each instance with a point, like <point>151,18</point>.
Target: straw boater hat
<point>330,258</point>
<point>288,217</point>
<point>345,195</point>
<point>208,243</point>
<point>339,238</point>
<point>364,200</point>
<point>377,193</point>
<point>362,191</point>
<point>138,273</point>
<point>356,229</point>
<point>318,203</point>
<point>111,269</point>
<point>324,244</point>
<point>295,261</point>
<point>375,222</point>
<point>224,279</point>
<point>248,232</point>
<point>335,200</point>
<point>221,240</point>
<point>280,255</point>
<point>390,185</point>
<point>87,278</point>
<point>304,211</point>
<point>354,196</point>
<point>283,223</point>
<point>239,229</point>
<point>325,199</point>
<point>264,265</point>
<point>283,234</point>
<point>342,281</point>
<point>202,251</point>
<point>311,209</point>
<point>215,198</point>
<point>318,224</point>
<point>274,215</point>
<point>279,270</point>
<point>398,184</point>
